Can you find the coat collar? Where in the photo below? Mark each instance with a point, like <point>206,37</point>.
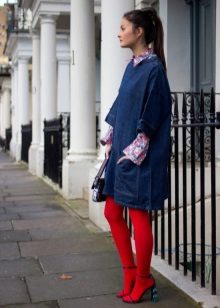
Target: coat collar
<point>149,53</point>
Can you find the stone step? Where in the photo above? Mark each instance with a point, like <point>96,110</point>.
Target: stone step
<point>86,193</point>
<point>80,207</point>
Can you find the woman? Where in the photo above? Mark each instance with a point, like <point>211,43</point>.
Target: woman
<point>137,145</point>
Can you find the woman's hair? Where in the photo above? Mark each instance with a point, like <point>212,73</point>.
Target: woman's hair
<point>153,29</point>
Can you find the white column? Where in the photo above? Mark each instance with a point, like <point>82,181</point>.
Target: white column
<point>23,90</point>
<point>82,80</point>
<point>15,115</point>
<point>114,58</point>
<point>35,103</point>
<point>5,107</point>
<point>83,141</point>
<point>48,70</point>
<point>48,67</point>
<point>163,12</point>
<point>113,62</point>
<point>63,85</point>
<point>23,100</point>
<point>1,116</point>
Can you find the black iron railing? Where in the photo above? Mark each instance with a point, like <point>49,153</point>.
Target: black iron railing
<point>185,231</point>
<point>26,138</point>
<point>97,131</point>
<point>193,141</point>
<point>68,132</point>
<point>8,136</point>
<point>53,149</point>
<point>18,19</point>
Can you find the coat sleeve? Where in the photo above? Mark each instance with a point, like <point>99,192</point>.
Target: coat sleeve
<point>111,116</point>
<point>155,105</point>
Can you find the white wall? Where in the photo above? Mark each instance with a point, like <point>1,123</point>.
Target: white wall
<point>178,44</point>
<point>217,77</point>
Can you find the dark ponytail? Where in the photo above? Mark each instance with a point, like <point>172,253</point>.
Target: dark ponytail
<point>153,29</point>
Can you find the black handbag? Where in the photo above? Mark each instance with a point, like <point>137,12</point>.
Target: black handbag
<point>98,184</point>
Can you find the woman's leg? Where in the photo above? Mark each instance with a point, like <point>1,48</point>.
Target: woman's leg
<point>144,245</point>
<point>143,238</point>
<point>121,235</point>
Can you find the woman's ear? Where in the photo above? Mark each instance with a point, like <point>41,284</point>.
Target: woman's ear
<point>140,31</point>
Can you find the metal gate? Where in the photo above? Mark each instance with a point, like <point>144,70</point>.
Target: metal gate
<point>53,149</point>
<point>26,138</point>
<point>8,136</point>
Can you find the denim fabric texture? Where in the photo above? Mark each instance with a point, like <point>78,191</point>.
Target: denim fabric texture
<point>143,104</point>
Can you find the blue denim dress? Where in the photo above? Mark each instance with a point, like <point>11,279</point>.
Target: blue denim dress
<point>143,104</point>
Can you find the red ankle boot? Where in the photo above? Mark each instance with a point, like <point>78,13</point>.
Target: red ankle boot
<point>129,280</point>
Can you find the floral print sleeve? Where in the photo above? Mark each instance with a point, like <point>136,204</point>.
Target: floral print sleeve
<point>107,139</point>
<point>137,150</point>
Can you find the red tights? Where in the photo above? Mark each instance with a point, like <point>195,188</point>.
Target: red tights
<point>142,235</point>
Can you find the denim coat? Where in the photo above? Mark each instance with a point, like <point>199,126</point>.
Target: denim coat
<point>143,104</point>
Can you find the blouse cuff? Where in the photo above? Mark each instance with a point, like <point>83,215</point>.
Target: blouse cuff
<point>107,139</point>
<point>137,150</point>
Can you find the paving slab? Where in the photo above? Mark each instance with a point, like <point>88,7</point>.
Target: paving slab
<point>79,262</point>
<point>5,225</point>
<point>52,304</point>
<point>5,204</point>
<point>11,195</point>
<point>13,291</point>
<point>27,189</point>
<point>109,301</point>
<point>82,284</point>
<point>9,251</point>
<point>43,214</point>
<point>88,243</point>
<point>47,223</point>
<point>2,210</point>
<point>30,197</point>
<point>11,216</point>
<point>32,207</point>
<point>28,181</point>
<point>103,301</point>
<point>43,234</point>
<point>15,236</point>
<point>20,268</point>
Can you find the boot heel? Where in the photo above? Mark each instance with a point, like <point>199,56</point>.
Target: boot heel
<point>154,295</point>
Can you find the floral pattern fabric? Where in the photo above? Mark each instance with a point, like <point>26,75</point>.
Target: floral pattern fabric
<point>107,139</point>
<point>137,150</point>
<point>149,53</point>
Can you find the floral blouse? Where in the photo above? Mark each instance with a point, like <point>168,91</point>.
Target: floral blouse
<point>136,151</point>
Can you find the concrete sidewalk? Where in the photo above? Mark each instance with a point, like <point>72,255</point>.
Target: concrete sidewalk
<point>52,257</point>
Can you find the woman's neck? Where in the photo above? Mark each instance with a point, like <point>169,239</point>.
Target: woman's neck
<point>138,50</point>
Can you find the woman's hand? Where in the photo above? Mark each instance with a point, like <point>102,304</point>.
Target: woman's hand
<point>108,150</point>
<point>122,158</point>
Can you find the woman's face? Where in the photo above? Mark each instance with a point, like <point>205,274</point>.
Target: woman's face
<point>128,35</point>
